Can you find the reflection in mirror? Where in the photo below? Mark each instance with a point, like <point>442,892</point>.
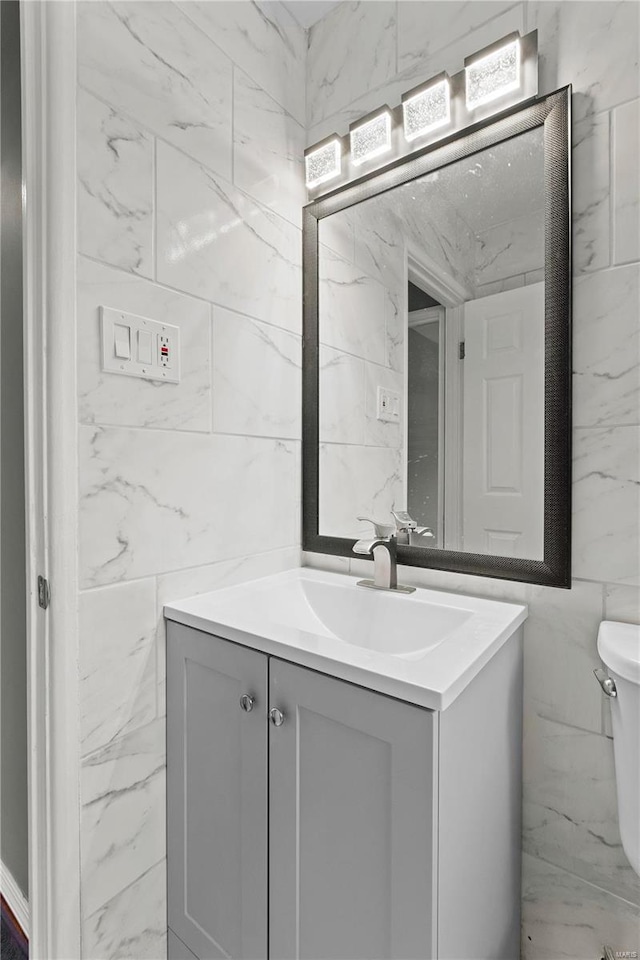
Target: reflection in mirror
<point>431,329</point>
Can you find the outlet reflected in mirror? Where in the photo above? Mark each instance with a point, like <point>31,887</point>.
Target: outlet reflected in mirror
<point>431,313</point>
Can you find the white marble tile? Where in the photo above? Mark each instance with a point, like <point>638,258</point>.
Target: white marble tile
<point>357,481</point>
<point>131,924</point>
<point>323,561</point>
<point>342,392</point>
<point>622,603</point>
<point>570,807</point>
<point>381,231</point>
<point>227,573</point>
<point>396,330</point>
<point>264,40</point>
<point>151,62</point>
<point>256,377</point>
<point>590,193</point>
<point>606,505</point>
<point>379,433</point>
<point>560,654</point>
<point>217,243</point>
<point>433,579</point>
<point>351,50</point>
<point>213,576</point>
<point>128,401</point>
<point>424,29</point>
<point>117,662</point>
<point>451,59</point>
<point>153,501</point>
<point>123,818</point>
<point>564,918</point>
<point>626,182</point>
<point>115,187</point>
<point>510,249</point>
<point>606,347</point>
<point>337,233</point>
<point>591,44</point>
<point>351,308</point>
<point>268,147</point>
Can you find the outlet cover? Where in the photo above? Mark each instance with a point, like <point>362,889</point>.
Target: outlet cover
<point>388,405</point>
<point>139,347</point>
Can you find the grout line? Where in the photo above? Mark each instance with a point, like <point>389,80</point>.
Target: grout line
<point>194,433</point>
<point>613,128</point>
<point>239,558</point>
<point>234,63</point>
<point>154,213</point>
<point>576,876</point>
<point>158,639</point>
<point>212,321</point>
<point>210,172</point>
<point>233,124</point>
<point>183,293</point>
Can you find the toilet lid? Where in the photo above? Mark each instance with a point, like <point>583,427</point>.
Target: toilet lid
<point>619,648</point>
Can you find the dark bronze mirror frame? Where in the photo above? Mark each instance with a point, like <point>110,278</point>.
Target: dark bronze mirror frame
<point>553,113</point>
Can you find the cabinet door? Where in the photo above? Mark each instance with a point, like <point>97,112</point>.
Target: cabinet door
<point>216,796</point>
<point>351,820</point>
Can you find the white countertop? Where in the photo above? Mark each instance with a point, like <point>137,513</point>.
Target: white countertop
<point>423,647</point>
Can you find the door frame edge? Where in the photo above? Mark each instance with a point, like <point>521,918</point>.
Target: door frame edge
<point>48,63</point>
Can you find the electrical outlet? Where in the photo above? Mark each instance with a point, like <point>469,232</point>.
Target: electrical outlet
<point>388,406</point>
<point>164,351</point>
<point>135,346</point>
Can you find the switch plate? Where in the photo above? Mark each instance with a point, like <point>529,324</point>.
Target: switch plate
<point>144,340</point>
<point>122,341</point>
<point>388,406</point>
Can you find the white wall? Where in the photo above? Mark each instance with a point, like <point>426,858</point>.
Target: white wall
<point>190,137</point>
<point>579,891</point>
<point>14,841</point>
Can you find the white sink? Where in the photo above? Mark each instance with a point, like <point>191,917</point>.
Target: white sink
<point>424,647</point>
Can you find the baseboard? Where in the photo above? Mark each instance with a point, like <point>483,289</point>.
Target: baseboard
<point>15,898</point>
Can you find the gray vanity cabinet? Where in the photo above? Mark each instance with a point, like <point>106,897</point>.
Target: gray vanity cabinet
<point>347,778</point>
<point>350,821</point>
<point>216,796</point>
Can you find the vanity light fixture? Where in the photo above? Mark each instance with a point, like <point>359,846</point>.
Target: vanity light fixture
<point>323,161</point>
<point>492,81</point>
<point>493,72</point>
<point>427,107</point>
<point>371,136</point>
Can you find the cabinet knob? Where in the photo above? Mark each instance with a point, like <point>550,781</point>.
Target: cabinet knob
<point>247,702</point>
<point>276,717</point>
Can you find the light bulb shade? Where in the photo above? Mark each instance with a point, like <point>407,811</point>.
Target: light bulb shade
<point>323,161</point>
<point>427,107</point>
<point>493,72</point>
<point>370,137</point>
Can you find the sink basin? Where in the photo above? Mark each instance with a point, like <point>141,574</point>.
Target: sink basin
<point>423,647</point>
<point>385,622</point>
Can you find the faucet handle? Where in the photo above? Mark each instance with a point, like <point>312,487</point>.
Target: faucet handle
<point>383,530</point>
<point>403,521</point>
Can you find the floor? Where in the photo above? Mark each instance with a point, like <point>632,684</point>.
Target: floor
<point>13,943</point>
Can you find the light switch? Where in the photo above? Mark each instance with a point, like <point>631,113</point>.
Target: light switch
<point>144,346</point>
<point>134,346</point>
<point>122,341</point>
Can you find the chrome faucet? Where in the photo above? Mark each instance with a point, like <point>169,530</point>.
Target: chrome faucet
<point>408,531</point>
<point>382,548</point>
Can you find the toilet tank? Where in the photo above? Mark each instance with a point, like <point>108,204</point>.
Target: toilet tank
<point>619,649</point>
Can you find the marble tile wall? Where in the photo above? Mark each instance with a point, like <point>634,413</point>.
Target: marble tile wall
<point>190,133</point>
<point>579,891</point>
<point>358,344</point>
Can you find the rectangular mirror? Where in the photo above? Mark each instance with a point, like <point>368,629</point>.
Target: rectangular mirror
<point>437,374</point>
